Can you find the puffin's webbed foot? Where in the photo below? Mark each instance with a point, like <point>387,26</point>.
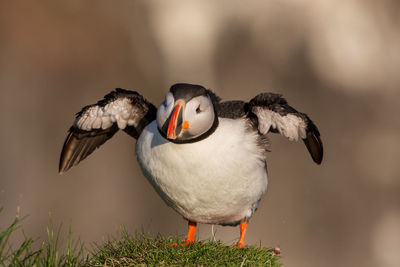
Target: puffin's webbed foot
<point>190,235</point>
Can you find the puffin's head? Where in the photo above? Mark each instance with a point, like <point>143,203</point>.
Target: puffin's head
<point>187,113</point>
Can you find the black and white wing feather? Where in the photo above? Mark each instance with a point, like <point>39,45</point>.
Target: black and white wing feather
<point>275,115</point>
<point>95,124</point>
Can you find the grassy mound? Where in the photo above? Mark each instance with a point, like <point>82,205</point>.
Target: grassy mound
<point>127,250</point>
<point>136,250</point>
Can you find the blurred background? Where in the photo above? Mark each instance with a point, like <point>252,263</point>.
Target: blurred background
<point>337,61</point>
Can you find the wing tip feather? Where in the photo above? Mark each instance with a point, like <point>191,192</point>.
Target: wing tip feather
<point>79,144</point>
<point>65,157</point>
<point>314,146</point>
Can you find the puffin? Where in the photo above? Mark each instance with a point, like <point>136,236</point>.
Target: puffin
<point>206,158</point>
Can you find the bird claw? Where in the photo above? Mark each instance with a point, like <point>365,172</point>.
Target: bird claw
<point>238,245</point>
<point>187,243</point>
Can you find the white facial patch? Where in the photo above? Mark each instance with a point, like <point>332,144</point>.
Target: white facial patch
<point>200,115</point>
<point>165,109</point>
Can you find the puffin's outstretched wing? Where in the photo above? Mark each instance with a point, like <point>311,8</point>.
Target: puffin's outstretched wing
<point>274,114</point>
<point>95,124</point>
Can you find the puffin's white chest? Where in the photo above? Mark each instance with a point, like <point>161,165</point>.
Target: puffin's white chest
<point>217,180</point>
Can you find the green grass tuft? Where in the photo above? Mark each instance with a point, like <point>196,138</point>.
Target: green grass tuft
<point>48,253</point>
<point>144,250</point>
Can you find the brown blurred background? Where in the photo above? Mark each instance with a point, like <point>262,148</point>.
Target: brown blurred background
<point>338,61</point>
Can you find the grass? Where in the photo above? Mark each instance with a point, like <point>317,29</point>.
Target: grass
<point>144,250</point>
<point>126,250</point>
<point>47,254</point>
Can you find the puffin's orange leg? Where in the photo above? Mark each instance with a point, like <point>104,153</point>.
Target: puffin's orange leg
<point>243,228</point>
<point>190,235</point>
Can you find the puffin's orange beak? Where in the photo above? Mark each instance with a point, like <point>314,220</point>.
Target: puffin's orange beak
<point>175,122</point>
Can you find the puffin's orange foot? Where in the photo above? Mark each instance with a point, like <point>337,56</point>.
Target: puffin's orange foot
<point>239,245</point>
<point>190,236</point>
<point>187,243</point>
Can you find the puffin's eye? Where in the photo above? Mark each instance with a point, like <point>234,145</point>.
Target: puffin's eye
<point>198,110</point>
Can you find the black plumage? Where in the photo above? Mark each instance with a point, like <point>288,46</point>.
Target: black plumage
<point>232,109</point>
